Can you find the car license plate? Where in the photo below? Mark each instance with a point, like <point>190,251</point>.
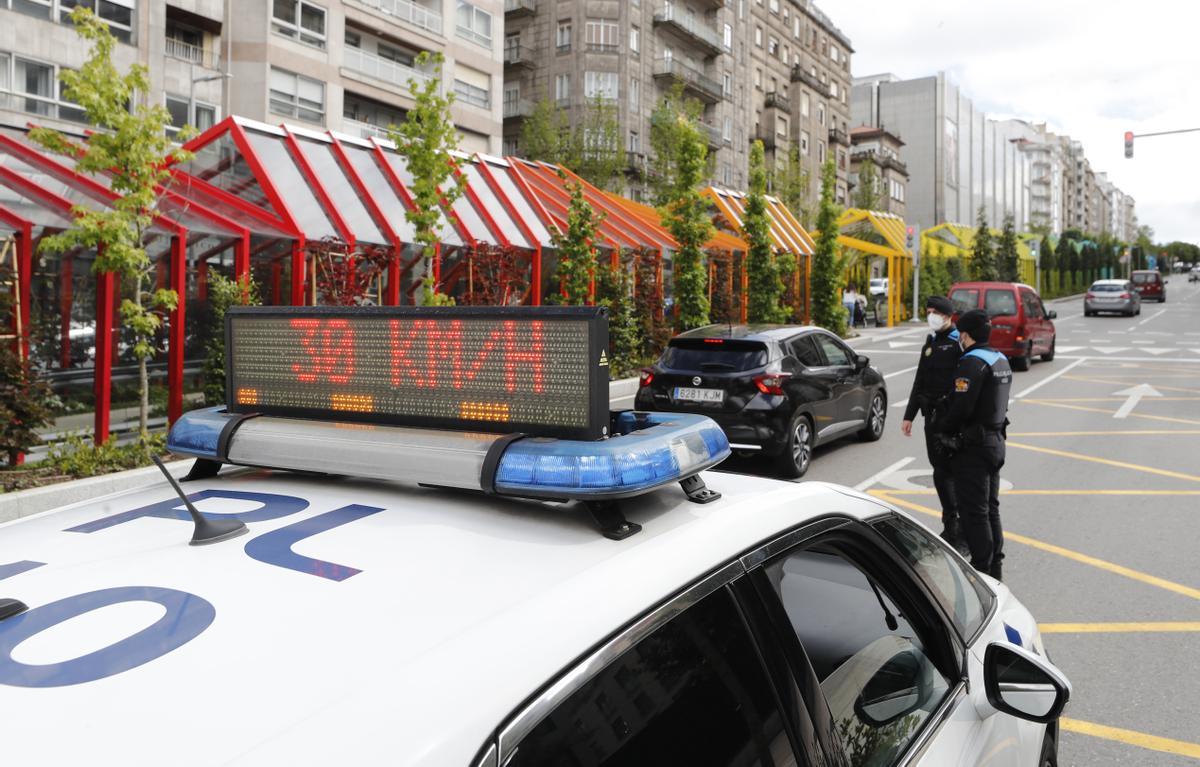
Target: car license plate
<point>699,395</point>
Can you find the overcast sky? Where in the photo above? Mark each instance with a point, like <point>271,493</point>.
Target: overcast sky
<point>1092,70</point>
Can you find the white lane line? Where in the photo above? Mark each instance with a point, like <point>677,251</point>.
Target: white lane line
<point>901,403</point>
<point>1154,316</point>
<point>875,478</point>
<point>900,372</point>
<point>1050,378</point>
<point>1159,360</point>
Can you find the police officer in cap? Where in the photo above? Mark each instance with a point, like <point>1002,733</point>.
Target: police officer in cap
<point>930,395</point>
<point>974,427</point>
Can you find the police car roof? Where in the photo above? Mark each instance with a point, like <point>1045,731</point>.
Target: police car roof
<point>462,607</point>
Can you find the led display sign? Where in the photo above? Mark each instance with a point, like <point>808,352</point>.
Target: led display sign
<point>538,371</point>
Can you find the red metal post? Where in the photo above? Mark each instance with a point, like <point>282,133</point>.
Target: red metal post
<point>537,276</point>
<point>314,182</point>
<point>298,278</point>
<point>276,282</point>
<point>106,286</point>
<point>25,289</point>
<point>177,319</point>
<point>392,297</point>
<point>202,280</point>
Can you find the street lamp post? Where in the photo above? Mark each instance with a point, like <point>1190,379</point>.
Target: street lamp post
<point>192,89</point>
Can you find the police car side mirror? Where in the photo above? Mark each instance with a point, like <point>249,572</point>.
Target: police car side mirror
<point>861,361</point>
<point>1022,684</point>
<point>1051,315</point>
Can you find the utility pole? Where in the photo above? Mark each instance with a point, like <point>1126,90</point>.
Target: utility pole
<point>1130,136</point>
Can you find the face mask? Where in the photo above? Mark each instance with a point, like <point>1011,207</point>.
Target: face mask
<point>936,322</point>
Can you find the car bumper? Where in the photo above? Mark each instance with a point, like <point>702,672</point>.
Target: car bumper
<point>1109,306</point>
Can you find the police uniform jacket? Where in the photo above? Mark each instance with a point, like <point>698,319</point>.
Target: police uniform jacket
<point>935,372</point>
<point>979,400</point>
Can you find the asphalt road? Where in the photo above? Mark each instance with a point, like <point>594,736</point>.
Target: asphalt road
<point>1100,505</point>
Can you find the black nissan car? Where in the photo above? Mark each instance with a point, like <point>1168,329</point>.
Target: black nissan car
<point>776,390</point>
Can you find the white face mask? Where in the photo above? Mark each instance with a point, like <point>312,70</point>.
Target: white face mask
<point>936,321</point>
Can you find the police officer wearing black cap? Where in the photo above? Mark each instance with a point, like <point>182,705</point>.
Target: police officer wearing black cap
<point>930,395</point>
<point>974,427</point>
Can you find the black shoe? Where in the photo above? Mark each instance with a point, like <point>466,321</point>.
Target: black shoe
<point>996,570</point>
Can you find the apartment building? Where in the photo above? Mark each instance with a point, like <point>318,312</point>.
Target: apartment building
<point>881,148</point>
<point>325,64</point>
<point>771,69</point>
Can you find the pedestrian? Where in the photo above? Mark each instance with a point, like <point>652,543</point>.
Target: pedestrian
<point>854,303</point>
<point>975,428</point>
<point>930,396</point>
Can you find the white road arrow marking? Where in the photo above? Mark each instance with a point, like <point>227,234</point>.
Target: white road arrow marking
<point>1068,349</point>
<point>898,344</point>
<point>1134,394</point>
<point>1155,350</point>
<point>1110,349</point>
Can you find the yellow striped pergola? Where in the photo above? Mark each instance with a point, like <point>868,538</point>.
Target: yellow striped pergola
<point>899,260</point>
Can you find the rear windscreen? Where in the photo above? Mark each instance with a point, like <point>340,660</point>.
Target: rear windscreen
<point>1142,279</point>
<point>1000,303</point>
<point>711,355</point>
<point>964,300</point>
<point>1108,287</point>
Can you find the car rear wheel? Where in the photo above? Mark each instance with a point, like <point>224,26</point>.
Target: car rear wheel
<point>872,430</point>
<point>1049,356</point>
<point>1024,361</point>
<point>797,451</point>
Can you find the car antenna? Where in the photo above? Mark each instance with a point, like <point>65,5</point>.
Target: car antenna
<point>888,618</point>
<point>206,530</point>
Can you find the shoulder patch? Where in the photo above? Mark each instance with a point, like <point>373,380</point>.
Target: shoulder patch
<point>962,384</point>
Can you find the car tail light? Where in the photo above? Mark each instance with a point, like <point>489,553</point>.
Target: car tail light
<point>771,383</point>
<point>647,377</point>
<point>1090,295</point>
<point>1124,295</point>
<point>1020,338</point>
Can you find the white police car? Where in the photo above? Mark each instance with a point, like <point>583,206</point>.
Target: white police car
<point>365,619</point>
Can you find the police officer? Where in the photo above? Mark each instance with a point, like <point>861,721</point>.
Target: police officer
<point>974,426</point>
<point>930,394</point>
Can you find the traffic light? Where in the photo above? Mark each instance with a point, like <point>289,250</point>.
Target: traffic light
<point>1128,143</point>
<point>908,241</point>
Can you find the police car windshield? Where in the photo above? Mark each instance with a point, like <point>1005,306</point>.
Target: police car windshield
<point>714,354</point>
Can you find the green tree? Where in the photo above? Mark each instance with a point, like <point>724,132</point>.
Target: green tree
<point>681,165</point>
<point>791,183</point>
<point>828,311</point>
<point>1007,256</point>
<point>1062,262</point>
<point>1046,262</point>
<point>935,275</point>
<point>129,148</point>
<point>614,290</point>
<point>983,258</point>
<point>223,293</point>
<point>426,140</point>
<point>597,153</point>
<point>867,192</point>
<point>25,404</point>
<point>576,247</point>
<point>765,288</point>
<point>545,134</point>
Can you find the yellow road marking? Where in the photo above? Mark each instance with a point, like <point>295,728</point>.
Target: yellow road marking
<point>1109,412</point>
<point>1131,737</point>
<point>1106,462</point>
<point>1119,628</point>
<point>1133,432</point>
<point>1101,564</point>
<point>1060,492</point>
<point>1127,382</point>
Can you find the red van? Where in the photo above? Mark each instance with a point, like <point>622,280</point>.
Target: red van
<point>1021,326</point>
<point>1150,285</point>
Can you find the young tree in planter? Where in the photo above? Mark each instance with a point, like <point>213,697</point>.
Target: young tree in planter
<point>765,287</point>
<point>983,257</point>
<point>426,139</point>
<point>1063,256</point>
<point>1046,265</point>
<point>614,290</point>
<point>577,247</point>
<point>868,190</point>
<point>828,311</point>
<point>1007,256</point>
<point>681,165</point>
<point>130,147</point>
<point>792,185</point>
<point>544,133</point>
<point>597,153</point>
<point>223,293</point>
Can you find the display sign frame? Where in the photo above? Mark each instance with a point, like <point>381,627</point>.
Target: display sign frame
<point>596,399</point>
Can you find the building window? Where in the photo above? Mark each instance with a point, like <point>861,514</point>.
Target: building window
<point>803,104</point>
<point>476,90</point>
<point>773,46</point>
<point>635,44</point>
<point>601,36</point>
<point>727,37</point>
<point>786,55</point>
<point>118,14</point>
<point>635,142</point>
<point>774,6</point>
<point>562,37</point>
<point>509,147</point>
<point>804,143</point>
<point>781,126</point>
<point>296,96</point>
<point>820,114</point>
<point>834,53</point>
<point>758,78</point>
<point>796,27</point>
<point>300,21</point>
<point>821,151</point>
<point>474,24</point>
<point>833,89</point>
<point>602,85</point>
<point>562,88</point>
<point>758,36</point>
<point>34,87</point>
<point>635,92</point>
<point>727,130</point>
<point>727,84</point>
<point>202,117</point>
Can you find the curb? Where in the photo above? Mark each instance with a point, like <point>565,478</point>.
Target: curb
<point>28,502</point>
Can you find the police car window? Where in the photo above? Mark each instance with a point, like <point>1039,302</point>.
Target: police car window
<point>1000,303</point>
<point>880,684</point>
<point>956,585</point>
<point>964,300</point>
<point>693,692</point>
<point>834,352</point>
<point>804,349</point>
<point>714,354</point>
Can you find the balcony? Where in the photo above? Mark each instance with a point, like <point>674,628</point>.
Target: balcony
<point>518,109</point>
<point>699,84</point>
<point>637,164</point>
<point>839,136</point>
<point>778,100</point>
<point>515,9</point>
<point>601,48</point>
<point>466,93</point>
<point>391,72</point>
<point>362,129</point>
<point>881,160</point>
<point>192,54</point>
<point>519,56</point>
<point>712,135</point>
<point>689,30</point>
<point>801,75</point>
<point>407,12</point>
<point>769,137</point>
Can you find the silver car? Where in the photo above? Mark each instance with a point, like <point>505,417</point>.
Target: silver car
<point>1112,296</point>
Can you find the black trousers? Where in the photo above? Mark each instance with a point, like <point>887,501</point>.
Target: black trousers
<point>943,482</point>
<point>976,472</point>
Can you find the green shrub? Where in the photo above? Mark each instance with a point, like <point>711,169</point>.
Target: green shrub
<point>76,456</point>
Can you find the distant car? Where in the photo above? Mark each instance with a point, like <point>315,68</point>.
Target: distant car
<point>775,390</point>
<point>879,286</point>
<point>1150,284</point>
<point>1112,296</point>
<point>1194,275</point>
<point>1021,326</point>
